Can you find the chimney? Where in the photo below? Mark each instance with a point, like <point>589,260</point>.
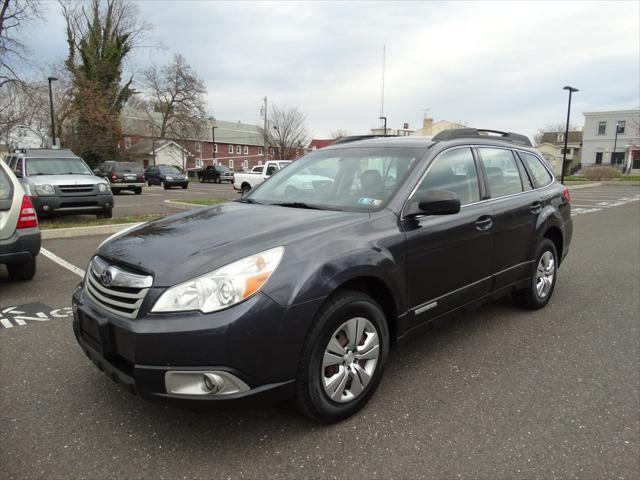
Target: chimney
<point>427,125</point>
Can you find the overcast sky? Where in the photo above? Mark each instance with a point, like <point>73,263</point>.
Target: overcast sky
<point>493,65</point>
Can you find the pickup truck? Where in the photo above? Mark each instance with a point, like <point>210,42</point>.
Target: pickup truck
<point>243,182</point>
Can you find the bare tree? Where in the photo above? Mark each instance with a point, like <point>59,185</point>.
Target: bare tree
<point>553,128</point>
<point>14,16</point>
<point>338,134</point>
<point>287,131</point>
<point>177,95</point>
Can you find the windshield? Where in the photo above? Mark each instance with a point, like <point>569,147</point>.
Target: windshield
<point>353,179</point>
<point>222,168</point>
<point>57,166</point>
<point>128,167</point>
<point>170,170</point>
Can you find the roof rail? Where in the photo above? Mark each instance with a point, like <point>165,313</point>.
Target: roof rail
<point>457,133</point>
<point>355,138</point>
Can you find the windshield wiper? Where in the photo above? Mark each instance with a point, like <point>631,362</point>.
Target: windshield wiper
<point>302,205</point>
<point>248,200</point>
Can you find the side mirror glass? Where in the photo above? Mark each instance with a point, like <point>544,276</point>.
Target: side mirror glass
<point>435,202</point>
<point>96,171</point>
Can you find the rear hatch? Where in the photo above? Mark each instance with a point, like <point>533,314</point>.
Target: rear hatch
<point>10,193</point>
<point>127,172</point>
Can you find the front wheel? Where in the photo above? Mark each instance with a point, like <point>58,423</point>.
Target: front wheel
<point>106,213</point>
<point>244,191</point>
<point>137,190</point>
<point>165,186</point>
<point>343,358</point>
<point>543,278</point>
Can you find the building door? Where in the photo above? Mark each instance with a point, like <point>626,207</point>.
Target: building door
<point>598,158</point>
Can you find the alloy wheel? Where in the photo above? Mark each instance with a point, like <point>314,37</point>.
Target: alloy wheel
<point>350,359</point>
<point>544,274</point>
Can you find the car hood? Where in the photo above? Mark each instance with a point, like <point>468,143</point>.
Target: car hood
<point>64,179</point>
<point>183,246</point>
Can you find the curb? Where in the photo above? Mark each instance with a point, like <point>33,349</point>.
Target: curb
<point>589,185</point>
<point>49,234</point>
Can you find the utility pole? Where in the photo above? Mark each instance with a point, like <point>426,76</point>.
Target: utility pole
<point>265,114</point>
<point>53,125</point>
<point>615,144</point>
<point>384,56</point>
<point>153,144</point>
<point>213,145</point>
<point>385,125</point>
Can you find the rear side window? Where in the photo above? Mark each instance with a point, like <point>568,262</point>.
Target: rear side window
<point>503,175</point>
<point>6,187</point>
<point>455,171</point>
<point>541,175</point>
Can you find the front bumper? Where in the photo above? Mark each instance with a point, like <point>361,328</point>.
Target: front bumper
<point>23,245</point>
<point>258,341</point>
<point>46,205</point>
<point>176,183</point>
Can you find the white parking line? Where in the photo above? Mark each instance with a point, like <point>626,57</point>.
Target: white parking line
<point>62,262</point>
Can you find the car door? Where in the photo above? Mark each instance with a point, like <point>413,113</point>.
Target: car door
<point>516,207</point>
<point>449,256</point>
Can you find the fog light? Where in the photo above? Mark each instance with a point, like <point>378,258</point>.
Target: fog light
<point>203,383</point>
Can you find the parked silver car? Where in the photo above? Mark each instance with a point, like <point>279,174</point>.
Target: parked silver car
<point>19,232</point>
<point>59,182</point>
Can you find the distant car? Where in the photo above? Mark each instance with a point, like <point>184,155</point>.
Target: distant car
<point>167,176</point>
<point>216,174</point>
<point>59,182</point>
<point>19,232</point>
<point>122,176</point>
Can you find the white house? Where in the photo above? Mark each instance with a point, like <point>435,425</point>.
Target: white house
<point>166,152</point>
<point>599,139</point>
<point>23,136</point>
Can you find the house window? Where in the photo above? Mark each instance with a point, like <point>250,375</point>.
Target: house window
<point>246,150</point>
<point>199,162</point>
<point>271,152</point>
<point>599,158</point>
<point>602,128</point>
<point>245,164</point>
<point>562,150</point>
<point>560,138</point>
<point>238,150</point>
<point>215,148</point>
<point>259,150</point>
<point>621,126</point>
<point>127,143</point>
<point>635,156</point>
<point>231,164</point>
<point>198,147</point>
<point>230,148</point>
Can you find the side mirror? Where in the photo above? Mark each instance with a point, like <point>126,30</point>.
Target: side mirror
<point>435,202</point>
<point>96,171</point>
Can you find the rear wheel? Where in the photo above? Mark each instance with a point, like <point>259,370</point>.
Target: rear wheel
<point>218,180</point>
<point>137,190</point>
<point>245,190</point>
<point>343,358</point>
<point>21,271</point>
<point>543,278</point>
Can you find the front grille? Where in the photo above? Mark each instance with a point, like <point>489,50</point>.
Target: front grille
<point>123,295</point>
<point>78,204</point>
<point>76,188</point>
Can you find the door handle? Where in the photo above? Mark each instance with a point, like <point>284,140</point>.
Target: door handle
<point>484,222</point>
<point>536,207</point>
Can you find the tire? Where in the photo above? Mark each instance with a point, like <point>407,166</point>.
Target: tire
<point>245,190</point>
<point>22,271</point>
<point>148,183</point>
<point>543,278</point>
<point>184,187</point>
<point>202,179</point>
<point>166,187</point>
<point>106,213</point>
<point>218,181</point>
<point>137,190</point>
<point>312,397</point>
<point>115,191</point>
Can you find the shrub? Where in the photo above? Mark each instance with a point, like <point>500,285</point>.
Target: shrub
<point>600,173</point>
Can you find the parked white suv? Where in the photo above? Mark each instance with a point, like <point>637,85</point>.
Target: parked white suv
<point>19,232</point>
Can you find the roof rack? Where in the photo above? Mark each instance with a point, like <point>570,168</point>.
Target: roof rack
<point>355,138</point>
<point>457,133</point>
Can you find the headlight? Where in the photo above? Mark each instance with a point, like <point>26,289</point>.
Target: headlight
<point>103,187</point>
<point>45,189</point>
<point>223,287</point>
<point>307,185</point>
<point>168,178</point>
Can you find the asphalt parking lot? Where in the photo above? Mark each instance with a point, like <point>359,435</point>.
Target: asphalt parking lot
<point>152,199</point>
<point>500,393</point>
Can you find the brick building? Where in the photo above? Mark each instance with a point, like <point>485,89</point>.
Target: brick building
<point>239,146</point>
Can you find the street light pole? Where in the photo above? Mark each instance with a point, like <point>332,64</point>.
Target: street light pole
<point>213,144</point>
<point>265,152</point>
<point>566,132</point>
<point>53,126</point>
<point>615,144</point>
<point>385,124</point>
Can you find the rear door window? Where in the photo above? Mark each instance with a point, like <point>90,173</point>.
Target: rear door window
<point>541,175</point>
<point>503,175</point>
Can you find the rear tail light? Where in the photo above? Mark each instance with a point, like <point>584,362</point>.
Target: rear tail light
<point>114,176</point>
<point>566,194</point>
<point>28,217</point>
